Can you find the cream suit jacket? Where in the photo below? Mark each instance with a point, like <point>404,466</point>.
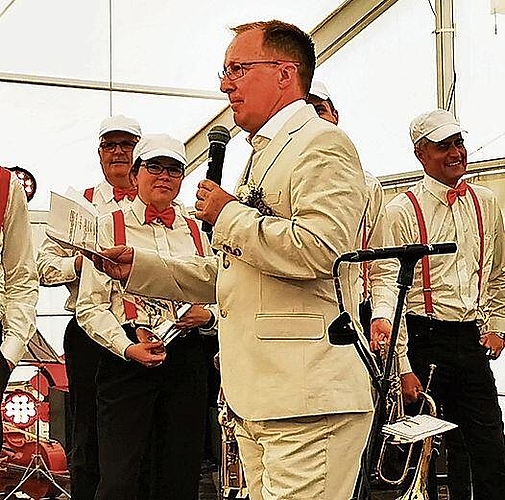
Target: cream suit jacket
<point>274,283</point>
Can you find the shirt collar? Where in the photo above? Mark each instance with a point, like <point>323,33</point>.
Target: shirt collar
<point>106,191</point>
<point>276,122</point>
<point>437,188</point>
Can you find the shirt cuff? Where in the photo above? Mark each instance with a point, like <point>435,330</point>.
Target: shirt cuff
<point>120,346</point>
<point>404,365</point>
<point>13,349</point>
<point>68,269</point>
<point>383,312</point>
<point>211,324</point>
<point>495,325</point>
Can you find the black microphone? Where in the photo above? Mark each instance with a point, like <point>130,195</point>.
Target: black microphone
<point>219,137</point>
<point>413,251</point>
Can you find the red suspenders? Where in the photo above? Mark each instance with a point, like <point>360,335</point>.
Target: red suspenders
<point>423,236</point>
<point>130,309</point>
<point>480,225</point>
<point>425,262</point>
<point>195,234</point>
<point>5,179</point>
<point>88,194</point>
<point>120,239</point>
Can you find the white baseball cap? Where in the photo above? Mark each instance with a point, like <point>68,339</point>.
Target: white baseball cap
<point>152,145</point>
<point>319,90</point>
<point>120,123</point>
<point>435,125</point>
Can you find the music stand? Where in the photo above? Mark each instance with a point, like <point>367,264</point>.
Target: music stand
<point>341,332</point>
<point>39,353</point>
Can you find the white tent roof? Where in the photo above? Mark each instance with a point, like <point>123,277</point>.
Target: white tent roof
<point>379,80</point>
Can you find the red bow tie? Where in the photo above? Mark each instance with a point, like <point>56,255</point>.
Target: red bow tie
<point>166,216</point>
<point>120,193</point>
<point>453,194</point>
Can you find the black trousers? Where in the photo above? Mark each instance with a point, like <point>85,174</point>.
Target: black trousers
<point>464,387</point>
<point>154,414</point>
<point>81,360</point>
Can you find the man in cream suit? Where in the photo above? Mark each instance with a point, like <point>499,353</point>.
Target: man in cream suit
<point>303,407</point>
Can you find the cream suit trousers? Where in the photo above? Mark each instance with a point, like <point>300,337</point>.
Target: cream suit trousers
<point>306,458</point>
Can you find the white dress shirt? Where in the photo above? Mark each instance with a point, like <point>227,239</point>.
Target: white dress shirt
<point>56,265</point>
<point>382,273</point>
<point>454,277</point>
<point>100,308</point>
<point>18,276</point>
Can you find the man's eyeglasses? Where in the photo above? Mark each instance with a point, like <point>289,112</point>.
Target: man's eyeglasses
<point>172,170</point>
<point>125,146</point>
<point>236,70</point>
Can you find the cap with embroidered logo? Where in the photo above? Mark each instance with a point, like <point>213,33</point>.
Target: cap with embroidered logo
<point>435,125</point>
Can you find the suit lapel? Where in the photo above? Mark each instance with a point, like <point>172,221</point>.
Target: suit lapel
<point>279,142</point>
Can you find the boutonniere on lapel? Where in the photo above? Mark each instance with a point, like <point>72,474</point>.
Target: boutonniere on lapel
<point>253,196</point>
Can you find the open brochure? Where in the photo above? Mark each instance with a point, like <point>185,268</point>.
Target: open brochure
<point>412,429</point>
<point>73,222</point>
<point>167,331</point>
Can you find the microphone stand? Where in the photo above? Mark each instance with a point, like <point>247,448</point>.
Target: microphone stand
<point>341,332</point>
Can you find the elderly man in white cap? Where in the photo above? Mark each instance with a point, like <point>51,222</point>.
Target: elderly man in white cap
<point>455,310</point>
<point>118,135</point>
<point>378,294</point>
<point>143,389</point>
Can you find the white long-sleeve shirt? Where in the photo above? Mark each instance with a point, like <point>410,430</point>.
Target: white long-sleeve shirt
<point>18,276</point>
<point>100,308</point>
<point>454,277</point>
<point>382,273</point>
<point>56,265</point>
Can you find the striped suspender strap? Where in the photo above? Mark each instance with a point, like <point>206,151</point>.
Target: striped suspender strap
<point>425,263</point>
<point>480,226</point>
<point>5,180</point>
<point>130,309</point>
<point>88,194</point>
<point>195,234</point>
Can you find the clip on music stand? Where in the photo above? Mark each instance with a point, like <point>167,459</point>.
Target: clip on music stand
<point>39,353</point>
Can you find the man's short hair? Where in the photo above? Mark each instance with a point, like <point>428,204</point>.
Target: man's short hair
<point>290,41</point>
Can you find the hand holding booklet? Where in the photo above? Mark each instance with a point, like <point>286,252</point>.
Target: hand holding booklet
<point>73,222</point>
<point>166,331</point>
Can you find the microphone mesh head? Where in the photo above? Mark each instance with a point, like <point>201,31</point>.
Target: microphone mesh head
<point>220,134</point>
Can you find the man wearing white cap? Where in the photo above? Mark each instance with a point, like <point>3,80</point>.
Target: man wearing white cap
<point>118,136</point>
<point>378,295</point>
<point>143,390</point>
<point>455,310</point>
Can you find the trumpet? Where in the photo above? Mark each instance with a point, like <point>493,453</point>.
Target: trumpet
<point>232,476</point>
<point>395,410</point>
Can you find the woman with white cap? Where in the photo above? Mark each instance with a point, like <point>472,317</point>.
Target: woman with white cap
<point>151,399</point>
